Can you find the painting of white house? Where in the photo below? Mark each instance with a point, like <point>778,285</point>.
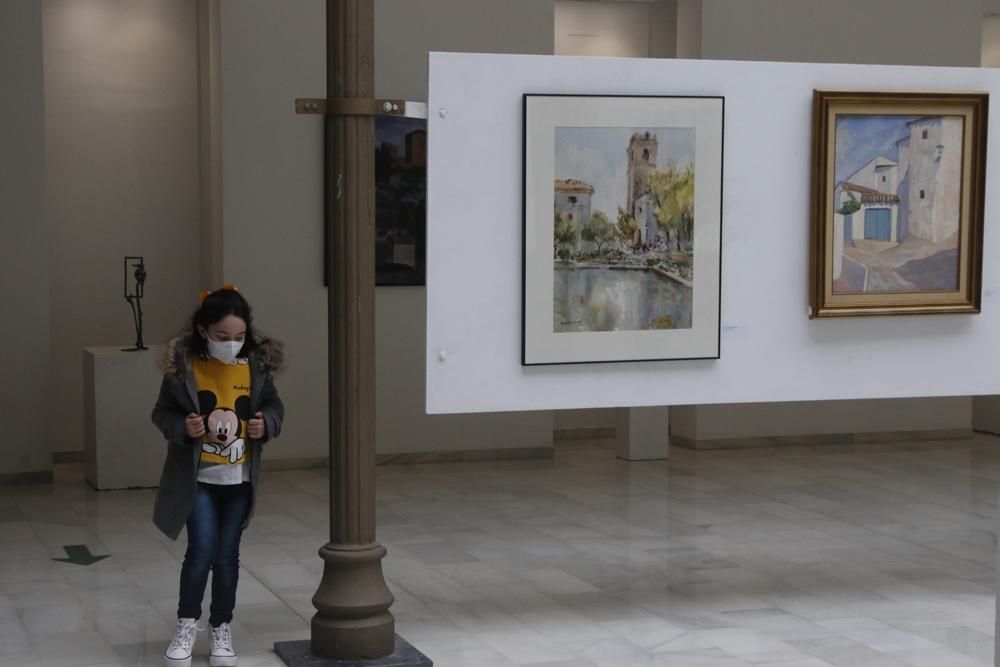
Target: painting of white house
<point>897,203</point>
<point>623,220</point>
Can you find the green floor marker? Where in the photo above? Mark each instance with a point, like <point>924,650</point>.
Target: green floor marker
<point>79,554</point>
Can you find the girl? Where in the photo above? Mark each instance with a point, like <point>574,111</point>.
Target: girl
<point>217,407</point>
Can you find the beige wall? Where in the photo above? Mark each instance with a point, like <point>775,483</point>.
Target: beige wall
<point>27,410</point>
<point>121,122</point>
<point>888,32</point>
<point>708,422</point>
<point>986,409</point>
<point>895,32</point>
<point>584,419</point>
<point>663,29</point>
<point>611,29</point>
<point>986,413</point>
<point>991,41</point>
<point>272,196</point>
<point>402,425</point>
<point>406,30</point>
<point>121,82</point>
<point>272,204</point>
<point>689,28</point>
<point>620,29</point>
<point>210,140</point>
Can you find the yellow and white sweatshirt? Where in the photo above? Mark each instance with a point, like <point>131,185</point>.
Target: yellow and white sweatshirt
<point>224,404</point>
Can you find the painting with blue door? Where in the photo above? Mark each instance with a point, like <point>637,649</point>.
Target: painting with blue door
<point>897,200</point>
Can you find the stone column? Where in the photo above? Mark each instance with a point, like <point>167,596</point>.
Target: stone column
<point>352,625</point>
<point>643,434</point>
<point>352,620</point>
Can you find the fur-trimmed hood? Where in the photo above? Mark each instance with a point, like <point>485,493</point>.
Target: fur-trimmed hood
<point>175,356</point>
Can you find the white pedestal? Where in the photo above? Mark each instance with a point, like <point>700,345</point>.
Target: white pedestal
<point>996,618</point>
<point>986,413</point>
<point>643,434</point>
<point>122,448</point>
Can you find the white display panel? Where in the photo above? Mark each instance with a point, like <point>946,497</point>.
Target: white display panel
<point>771,351</point>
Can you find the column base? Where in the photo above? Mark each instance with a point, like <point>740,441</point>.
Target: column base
<point>643,434</point>
<point>352,620</point>
<point>352,603</point>
<point>297,654</point>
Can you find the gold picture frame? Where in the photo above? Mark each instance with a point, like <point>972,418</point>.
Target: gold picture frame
<point>897,223</point>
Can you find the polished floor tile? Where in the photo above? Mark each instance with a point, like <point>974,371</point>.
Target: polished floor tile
<point>877,555</point>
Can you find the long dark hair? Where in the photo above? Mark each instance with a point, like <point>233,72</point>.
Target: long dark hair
<point>214,308</point>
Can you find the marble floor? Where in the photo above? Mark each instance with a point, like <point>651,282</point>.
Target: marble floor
<point>856,556</point>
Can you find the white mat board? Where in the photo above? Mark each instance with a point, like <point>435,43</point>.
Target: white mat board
<point>771,351</point>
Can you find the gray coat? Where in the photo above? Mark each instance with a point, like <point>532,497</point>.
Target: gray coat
<point>179,398</point>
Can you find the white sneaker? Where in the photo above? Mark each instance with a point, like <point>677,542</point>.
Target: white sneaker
<point>182,645</point>
<point>222,654</point>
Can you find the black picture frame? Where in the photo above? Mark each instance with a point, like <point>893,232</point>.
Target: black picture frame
<point>534,172</point>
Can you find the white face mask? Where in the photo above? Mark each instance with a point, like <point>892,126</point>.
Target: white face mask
<point>225,351</point>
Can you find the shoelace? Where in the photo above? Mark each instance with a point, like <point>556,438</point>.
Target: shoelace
<point>185,636</point>
<point>221,638</point>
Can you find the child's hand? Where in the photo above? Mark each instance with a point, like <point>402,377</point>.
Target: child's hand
<point>194,426</point>
<point>256,428</point>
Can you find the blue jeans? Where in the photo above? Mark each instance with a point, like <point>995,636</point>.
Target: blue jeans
<point>214,530</point>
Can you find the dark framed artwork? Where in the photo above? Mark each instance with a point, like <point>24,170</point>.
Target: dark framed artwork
<point>898,198</point>
<point>400,200</point>
<point>622,228</point>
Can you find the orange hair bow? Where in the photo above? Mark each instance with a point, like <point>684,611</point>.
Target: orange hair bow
<point>206,292</point>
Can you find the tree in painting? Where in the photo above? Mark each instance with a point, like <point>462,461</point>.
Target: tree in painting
<point>673,193</point>
<point>627,228</point>
<point>600,232</point>
<point>564,238</point>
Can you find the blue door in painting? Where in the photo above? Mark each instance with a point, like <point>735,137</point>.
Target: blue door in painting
<point>878,224</point>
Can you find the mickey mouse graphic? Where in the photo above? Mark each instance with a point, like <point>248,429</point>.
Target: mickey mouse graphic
<point>223,426</point>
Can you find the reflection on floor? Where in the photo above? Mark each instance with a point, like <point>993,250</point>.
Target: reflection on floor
<point>864,555</point>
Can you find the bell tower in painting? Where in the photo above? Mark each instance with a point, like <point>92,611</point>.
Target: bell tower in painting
<point>642,149</point>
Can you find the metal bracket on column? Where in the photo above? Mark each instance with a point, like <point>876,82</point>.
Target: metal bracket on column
<point>360,106</point>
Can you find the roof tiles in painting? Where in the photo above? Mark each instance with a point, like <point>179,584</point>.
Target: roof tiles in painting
<point>573,185</point>
<point>870,195</point>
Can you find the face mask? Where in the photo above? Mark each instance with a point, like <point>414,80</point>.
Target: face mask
<point>225,351</point>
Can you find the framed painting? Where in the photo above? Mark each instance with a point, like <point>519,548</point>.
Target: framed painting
<point>400,201</point>
<point>622,228</point>
<point>897,197</point>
